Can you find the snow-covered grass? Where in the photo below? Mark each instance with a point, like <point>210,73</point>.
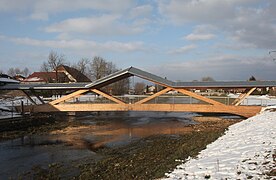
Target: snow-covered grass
<point>245,151</point>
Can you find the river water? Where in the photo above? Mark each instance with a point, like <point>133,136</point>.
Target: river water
<point>77,142</point>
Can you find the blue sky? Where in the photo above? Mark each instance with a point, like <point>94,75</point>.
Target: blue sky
<point>179,39</point>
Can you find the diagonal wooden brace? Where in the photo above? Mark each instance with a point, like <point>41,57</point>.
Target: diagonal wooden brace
<point>242,98</point>
<point>154,96</point>
<point>69,96</point>
<point>199,97</point>
<point>107,96</point>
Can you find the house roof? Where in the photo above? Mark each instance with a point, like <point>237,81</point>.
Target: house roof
<point>76,74</point>
<point>131,71</point>
<point>43,76</point>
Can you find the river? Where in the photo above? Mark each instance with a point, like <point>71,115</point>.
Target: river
<point>95,131</point>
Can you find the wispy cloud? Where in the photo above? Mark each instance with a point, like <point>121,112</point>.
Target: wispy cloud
<point>197,37</point>
<point>183,49</point>
<point>97,25</point>
<point>82,45</point>
<point>41,9</point>
<point>224,67</point>
<point>141,11</point>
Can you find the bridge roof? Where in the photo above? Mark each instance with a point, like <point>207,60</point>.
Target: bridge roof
<point>132,71</point>
<point>48,86</point>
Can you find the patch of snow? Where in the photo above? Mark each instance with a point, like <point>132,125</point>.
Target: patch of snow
<point>263,100</point>
<point>34,79</point>
<point>245,151</point>
<point>7,104</point>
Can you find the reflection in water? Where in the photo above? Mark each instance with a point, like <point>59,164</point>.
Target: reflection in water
<point>74,143</point>
<point>123,128</point>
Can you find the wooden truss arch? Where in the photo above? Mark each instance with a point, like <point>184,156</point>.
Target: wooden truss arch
<point>210,105</point>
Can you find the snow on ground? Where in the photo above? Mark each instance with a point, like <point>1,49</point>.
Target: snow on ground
<point>263,100</point>
<point>7,105</point>
<point>244,152</point>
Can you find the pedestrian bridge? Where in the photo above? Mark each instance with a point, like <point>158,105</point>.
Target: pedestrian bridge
<point>90,97</point>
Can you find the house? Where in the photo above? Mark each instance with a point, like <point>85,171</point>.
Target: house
<point>64,74</point>
<point>19,77</point>
<point>73,74</point>
<point>150,89</point>
<point>46,77</point>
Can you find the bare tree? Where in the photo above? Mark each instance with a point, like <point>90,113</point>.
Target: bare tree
<point>252,78</point>
<point>82,66</point>
<point>54,60</point>
<point>120,87</point>
<point>11,72</point>
<point>207,78</point>
<point>110,68</point>
<point>1,71</point>
<point>98,68</point>
<point>44,67</point>
<point>26,72</point>
<point>139,87</point>
<point>16,71</point>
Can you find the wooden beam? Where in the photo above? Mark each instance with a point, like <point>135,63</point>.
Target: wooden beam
<point>245,96</point>
<point>246,111</point>
<point>153,96</point>
<point>69,96</point>
<point>108,96</point>
<point>202,98</point>
<point>238,98</point>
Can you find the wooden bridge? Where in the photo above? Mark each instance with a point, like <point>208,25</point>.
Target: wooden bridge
<point>202,104</point>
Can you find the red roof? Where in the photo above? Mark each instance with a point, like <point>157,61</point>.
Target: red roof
<point>47,77</point>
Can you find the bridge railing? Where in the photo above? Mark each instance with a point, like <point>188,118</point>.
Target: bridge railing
<point>169,99</point>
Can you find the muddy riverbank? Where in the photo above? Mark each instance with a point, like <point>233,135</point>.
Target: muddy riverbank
<point>144,150</point>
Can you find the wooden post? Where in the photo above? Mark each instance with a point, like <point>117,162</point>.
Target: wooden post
<point>22,109</point>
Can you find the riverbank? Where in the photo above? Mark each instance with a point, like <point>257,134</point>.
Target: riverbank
<point>246,151</point>
<point>146,158</point>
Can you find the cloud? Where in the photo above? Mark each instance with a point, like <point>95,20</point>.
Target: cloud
<point>41,9</point>
<point>183,49</point>
<point>196,37</point>
<point>245,21</point>
<point>82,45</point>
<point>225,67</point>
<point>97,25</point>
<point>141,11</point>
<point>235,46</point>
<point>180,11</point>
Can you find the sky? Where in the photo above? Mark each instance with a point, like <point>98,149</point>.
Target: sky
<point>178,39</point>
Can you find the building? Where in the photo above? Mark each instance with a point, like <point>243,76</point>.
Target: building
<point>46,77</point>
<point>19,77</point>
<point>73,74</point>
<point>64,74</point>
